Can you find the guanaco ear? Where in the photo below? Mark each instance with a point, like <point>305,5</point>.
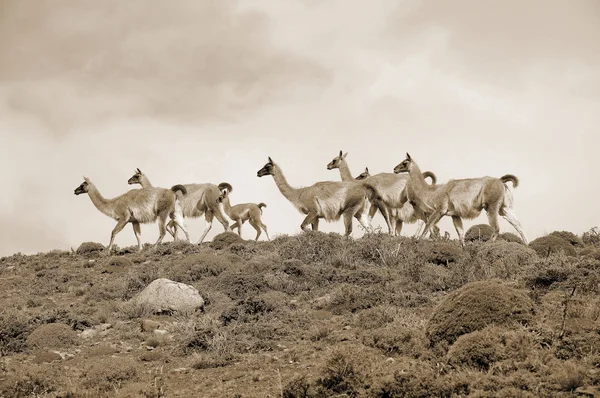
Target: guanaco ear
<point>408,156</point>
<point>340,153</point>
<point>366,169</point>
<point>86,179</point>
<point>138,171</point>
<point>344,157</point>
<point>270,160</point>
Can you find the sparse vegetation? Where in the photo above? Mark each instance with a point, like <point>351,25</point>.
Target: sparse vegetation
<point>311,315</point>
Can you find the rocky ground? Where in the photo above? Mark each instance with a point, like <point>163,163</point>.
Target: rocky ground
<point>312,315</point>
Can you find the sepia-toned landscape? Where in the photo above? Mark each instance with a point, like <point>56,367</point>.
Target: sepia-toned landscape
<point>309,315</point>
<point>299,198</point>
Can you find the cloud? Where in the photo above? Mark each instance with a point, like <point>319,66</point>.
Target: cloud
<point>501,42</point>
<point>185,61</point>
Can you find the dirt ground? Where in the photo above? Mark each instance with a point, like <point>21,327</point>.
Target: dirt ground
<point>312,315</point>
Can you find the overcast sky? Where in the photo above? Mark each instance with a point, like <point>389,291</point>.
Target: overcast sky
<point>203,91</point>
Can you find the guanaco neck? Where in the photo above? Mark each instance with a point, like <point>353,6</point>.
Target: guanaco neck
<point>227,206</point>
<point>417,181</point>
<point>145,182</point>
<point>286,190</point>
<point>104,205</point>
<point>345,171</point>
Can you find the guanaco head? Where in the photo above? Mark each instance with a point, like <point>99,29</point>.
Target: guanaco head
<point>364,174</point>
<point>84,187</point>
<point>405,166</point>
<point>136,178</point>
<point>223,195</point>
<point>335,163</point>
<point>267,169</point>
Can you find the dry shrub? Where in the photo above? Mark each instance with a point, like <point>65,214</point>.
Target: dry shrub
<point>505,260</point>
<point>377,317</point>
<point>245,250</point>
<point>204,335</point>
<point>109,374</point>
<point>120,262</point>
<point>298,387</point>
<point>209,360</point>
<point>309,246</point>
<point>29,382</point>
<point>545,278</point>
<point>246,311</point>
<point>52,335</point>
<point>224,240</point>
<point>14,328</point>
<point>479,232</point>
<point>591,237</point>
<point>398,340</point>
<point>420,379</point>
<point>510,237</point>
<point>239,285</point>
<point>350,298</point>
<point>569,376</point>
<point>570,237</point>
<point>478,349</point>
<point>475,306</point>
<point>194,267</point>
<point>549,244</point>
<point>89,247</point>
<point>343,372</point>
<point>441,253</point>
<point>578,346</point>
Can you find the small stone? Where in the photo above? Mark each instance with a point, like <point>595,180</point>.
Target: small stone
<point>181,370</point>
<point>149,325</point>
<point>161,332</point>
<point>88,333</point>
<point>347,327</point>
<point>293,302</point>
<point>390,360</point>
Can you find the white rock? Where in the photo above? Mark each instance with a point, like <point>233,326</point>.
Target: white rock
<point>166,296</point>
<point>88,333</point>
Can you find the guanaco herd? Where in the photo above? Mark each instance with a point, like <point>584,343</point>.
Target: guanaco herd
<point>401,197</point>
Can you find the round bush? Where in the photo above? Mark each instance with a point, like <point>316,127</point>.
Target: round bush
<point>52,335</point>
<point>510,237</point>
<point>441,253</point>
<point>505,259</point>
<point>89,247</point>
<point>479,350</point>
<point>224,240</point>
<point>480,232</point>
<point>549,244</point>
<point>570,237</point>
<point>475,306</point>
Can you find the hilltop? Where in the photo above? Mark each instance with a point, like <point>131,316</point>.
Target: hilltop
<point>311,315</point>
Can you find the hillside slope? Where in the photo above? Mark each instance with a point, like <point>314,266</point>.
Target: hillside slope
<point>311,315</point>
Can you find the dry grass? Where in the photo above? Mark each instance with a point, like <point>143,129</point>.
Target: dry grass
<point>311,315</point>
